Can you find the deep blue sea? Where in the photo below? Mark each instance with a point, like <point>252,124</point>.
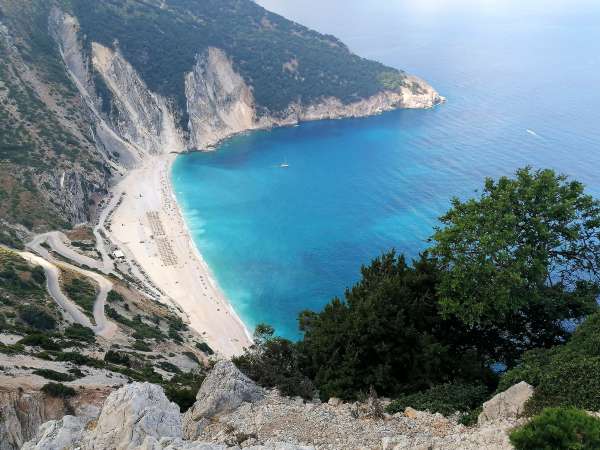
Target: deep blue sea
<point>522,81</point>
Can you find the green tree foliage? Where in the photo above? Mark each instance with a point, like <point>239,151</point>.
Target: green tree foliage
<point>53,375</point>
<point>37,318</point>
<point>559,429</point>
<point>566,375</point>
<point>521,259</point>
<point>79,333</point>
<point>388,334</point>
<point>444,398</point>
<point>58,390</point>
<point>162,44</point>
<point>273,362</point>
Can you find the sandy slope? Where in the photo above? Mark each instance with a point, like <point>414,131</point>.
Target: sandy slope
<point>176,268</point>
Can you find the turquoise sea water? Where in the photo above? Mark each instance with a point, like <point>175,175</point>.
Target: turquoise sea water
<point>523,88</point>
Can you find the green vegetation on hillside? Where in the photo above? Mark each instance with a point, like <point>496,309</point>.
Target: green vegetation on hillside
<point>559,429</point>
<point>162,45</point>
<point>80,290</point>
<point>503,282</point>
<point>565,375</point>
<point>39,106</point>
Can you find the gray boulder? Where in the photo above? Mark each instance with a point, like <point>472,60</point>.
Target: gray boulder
<point>506,406</point>
<point>224,390</point>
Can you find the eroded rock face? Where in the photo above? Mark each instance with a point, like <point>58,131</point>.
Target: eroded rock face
<point>59,434</point>
<point>223,391</point>
<point>508,405</point>
<point>234,413</point>
<point>21,413</point>
<point>219,102</point>
<point>131,415</point>
<point>143,118</point>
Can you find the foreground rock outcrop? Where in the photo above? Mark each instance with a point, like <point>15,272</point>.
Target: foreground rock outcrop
<point>231,412</point>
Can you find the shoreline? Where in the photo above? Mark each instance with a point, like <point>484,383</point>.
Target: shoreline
<point>148,226</point>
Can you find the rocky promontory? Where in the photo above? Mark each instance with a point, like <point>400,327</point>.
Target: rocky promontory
<point>231,412</point>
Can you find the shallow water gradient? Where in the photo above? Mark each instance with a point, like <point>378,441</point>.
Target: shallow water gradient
<point>523,88</point>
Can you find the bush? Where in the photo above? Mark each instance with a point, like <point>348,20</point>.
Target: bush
<point>567,375</point>
<point>205,348</point>
<point>388,333</point>
<point>557,429</point>
<point>445,399</point>
<point>53,375</point>
<point>58,390</point>
<point>183,387</point>
<point>80,333</point>
<point>117,358</point>
<point>79,359</point>
<point>82,292</point>
<point>274,362</point>
<point>39,340</point>
<point>141,346</point>
<point>114,296</point>
<point>37,318</point>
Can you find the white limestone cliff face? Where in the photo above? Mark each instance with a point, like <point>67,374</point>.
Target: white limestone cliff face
<point>219,102</point>
<point>142,118</point>
<point>65,31</point>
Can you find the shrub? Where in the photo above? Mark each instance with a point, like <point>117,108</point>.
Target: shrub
<point>274,362</point>
<point>183,387</point>
<point>141,346</point>
<point>53,375</point>
<point>192,356</point>
<point>169,367</point>
<point>79,359</point>
<point>205,348</point>
<point>79,333</point>
<point>114,296</point>
<point>558,429</point>
<point>567,375</point>
<point>82,292</point>
<point>444,398</point>
<point>117,358</point>
<point>40,340</point>
<point>388,333</point>
<point>58,390</point>
<point>37,317</point>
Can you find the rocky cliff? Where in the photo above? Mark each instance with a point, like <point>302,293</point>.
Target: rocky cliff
<point>219,102</point>
<point>232,413</point>
<point>89,90</point>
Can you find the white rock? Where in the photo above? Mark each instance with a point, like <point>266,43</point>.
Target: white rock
<point>223,390</point>
<point>133,413</point>
<point>58,434</point>
<point>507,405</point>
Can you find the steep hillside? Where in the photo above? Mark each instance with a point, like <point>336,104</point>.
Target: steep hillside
<point>89,89</point>
<point>49,168</point>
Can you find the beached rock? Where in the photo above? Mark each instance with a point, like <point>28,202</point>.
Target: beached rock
<point>507,405</point>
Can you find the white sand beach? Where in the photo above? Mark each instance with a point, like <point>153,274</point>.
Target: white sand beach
<point>148,227</point>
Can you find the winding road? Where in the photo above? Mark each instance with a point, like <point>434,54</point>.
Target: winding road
<point>54,239</point>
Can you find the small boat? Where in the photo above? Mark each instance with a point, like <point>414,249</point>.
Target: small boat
<point>284,165</point>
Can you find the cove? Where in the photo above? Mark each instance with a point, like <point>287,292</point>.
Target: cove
<point>281,240</point>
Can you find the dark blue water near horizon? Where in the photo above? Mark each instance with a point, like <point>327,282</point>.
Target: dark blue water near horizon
<point>523,88</point>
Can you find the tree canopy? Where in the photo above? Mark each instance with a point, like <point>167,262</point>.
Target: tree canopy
<point>508,274</point>
<point>529,242</point>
